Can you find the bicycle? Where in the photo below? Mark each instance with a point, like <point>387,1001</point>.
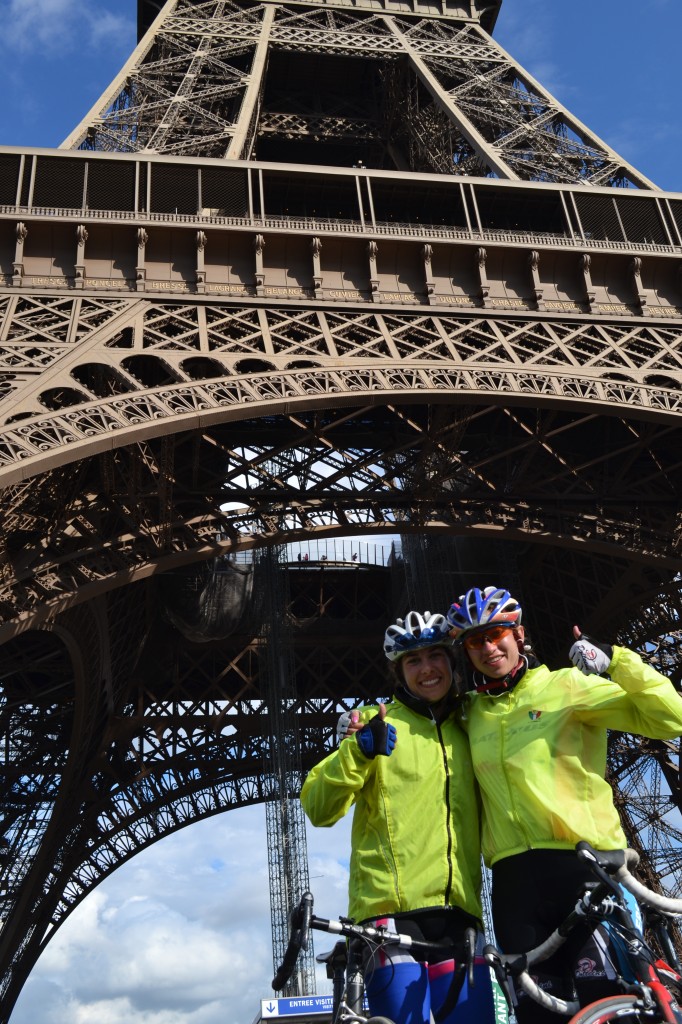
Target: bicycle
<point>346,961</point>
<point>651,987</point>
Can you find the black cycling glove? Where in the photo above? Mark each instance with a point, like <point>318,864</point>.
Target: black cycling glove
<point>377,737</point>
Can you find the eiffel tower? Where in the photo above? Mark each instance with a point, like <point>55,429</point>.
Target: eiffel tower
<point>310,270</point>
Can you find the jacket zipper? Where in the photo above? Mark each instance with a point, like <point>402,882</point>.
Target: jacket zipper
<point>448,822</point>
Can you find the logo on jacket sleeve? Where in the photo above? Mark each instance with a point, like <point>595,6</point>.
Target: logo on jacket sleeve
<point>534,715</point>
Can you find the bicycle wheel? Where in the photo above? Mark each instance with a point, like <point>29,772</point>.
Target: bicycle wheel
<point>612,1008</point>
<point>379,1020</point>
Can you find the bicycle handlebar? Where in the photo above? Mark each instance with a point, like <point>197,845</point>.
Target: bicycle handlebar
<point>616,864</point>
<point>298,939</point>
<point>302,920</point>
<point>612,869</point>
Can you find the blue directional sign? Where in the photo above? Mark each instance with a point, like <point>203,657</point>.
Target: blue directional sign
<point>295,1005</point>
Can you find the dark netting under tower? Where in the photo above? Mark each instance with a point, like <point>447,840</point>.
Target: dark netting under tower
<point>208,602</point>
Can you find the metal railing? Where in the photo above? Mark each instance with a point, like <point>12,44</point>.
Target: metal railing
<point>344,226</point>
<point>344,551</point>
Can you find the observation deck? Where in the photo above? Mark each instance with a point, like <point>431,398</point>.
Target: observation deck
<point>485,11</point>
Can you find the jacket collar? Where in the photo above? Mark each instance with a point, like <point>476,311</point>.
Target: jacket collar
<point>496,687</point>
<point>421,707</point>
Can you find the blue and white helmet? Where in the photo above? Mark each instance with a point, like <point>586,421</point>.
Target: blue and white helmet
<point>479,608</point>
<point>416,631</point>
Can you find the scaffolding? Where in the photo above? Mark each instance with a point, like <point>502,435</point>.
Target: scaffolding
<point>283,776</point>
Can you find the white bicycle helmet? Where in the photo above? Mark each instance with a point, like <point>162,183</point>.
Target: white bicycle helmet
<point>416,631</point>
<point>479,608</point>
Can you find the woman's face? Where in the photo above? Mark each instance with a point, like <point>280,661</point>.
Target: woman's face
<point>427,673</point>
<point>497,655</point>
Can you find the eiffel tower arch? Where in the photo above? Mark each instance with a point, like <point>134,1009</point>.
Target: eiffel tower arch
<point>307,271</point>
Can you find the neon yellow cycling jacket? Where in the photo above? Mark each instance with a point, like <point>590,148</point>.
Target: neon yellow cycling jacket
<point>415,839</point>
<point>539,752</point>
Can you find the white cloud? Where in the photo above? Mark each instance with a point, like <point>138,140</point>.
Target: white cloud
<point>41,24</point>
<point>56,27</point>
<point>106,27</point>
<point>181,933</point>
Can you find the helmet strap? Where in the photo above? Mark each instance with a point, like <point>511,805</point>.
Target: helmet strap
<point>494,687</point>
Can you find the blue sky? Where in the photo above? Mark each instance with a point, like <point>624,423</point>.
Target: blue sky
<point>171,936</point>
<point>613,63</point>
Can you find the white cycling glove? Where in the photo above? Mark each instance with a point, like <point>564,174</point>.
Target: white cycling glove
<point>342,725</point>
<point>591,656</point>
<point>376,737</point>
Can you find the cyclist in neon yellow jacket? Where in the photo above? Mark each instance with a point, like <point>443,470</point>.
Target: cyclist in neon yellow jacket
<point>415,845</point>
<point>538,743</point>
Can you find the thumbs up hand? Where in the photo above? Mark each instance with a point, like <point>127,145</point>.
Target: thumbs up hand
<point>591,656</point>
<point>378,736</point>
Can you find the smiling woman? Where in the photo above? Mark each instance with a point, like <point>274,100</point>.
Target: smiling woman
<point>415,853</point>
<point>428,674</point>
<point>538,746</point>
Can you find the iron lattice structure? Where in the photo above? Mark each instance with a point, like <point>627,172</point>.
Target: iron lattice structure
<point>310,270</point>
<point>286,835</point>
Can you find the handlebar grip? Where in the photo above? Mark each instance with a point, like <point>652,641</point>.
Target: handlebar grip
<point>306,911</point>
<point>492,957</point>
<point>611,861</point>
<point>298,940</point>
<point>470,939</point>
<point>286,968</point>
<point>604,865</point>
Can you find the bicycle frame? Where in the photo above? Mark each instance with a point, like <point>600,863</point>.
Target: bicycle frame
<point>648,991</point>
<point>651,992</point>
<point>345,969</point>
<point>648,986</point>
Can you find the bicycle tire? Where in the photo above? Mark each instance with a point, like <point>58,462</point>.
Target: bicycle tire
<point>379,1020</point>
<point>610,1008</point>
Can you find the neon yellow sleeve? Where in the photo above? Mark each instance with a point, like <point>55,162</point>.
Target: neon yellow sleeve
<point>330,788</point>
<point>637,699</point>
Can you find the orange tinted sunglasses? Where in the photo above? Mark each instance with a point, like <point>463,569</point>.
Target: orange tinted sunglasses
<point>492,635</point>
